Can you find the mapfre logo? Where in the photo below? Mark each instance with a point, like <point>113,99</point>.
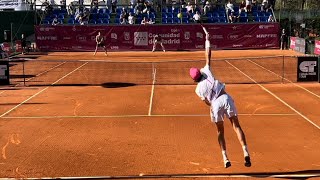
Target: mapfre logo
<point>126,36</point>
<point>266,26</point>
<point>140,38</point>
<point>307,66</point>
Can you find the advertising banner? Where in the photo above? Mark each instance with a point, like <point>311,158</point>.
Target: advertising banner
<point>317,48</point>
<point>174,37</point>
<point>4,73</point>
<point>298,44</point>
<point>308,69</point>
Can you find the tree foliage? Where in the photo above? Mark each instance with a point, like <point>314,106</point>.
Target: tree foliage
<point>297,4</point>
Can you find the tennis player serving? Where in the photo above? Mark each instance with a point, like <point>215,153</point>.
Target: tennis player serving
<point>213,93</point>
<point>100,43</point>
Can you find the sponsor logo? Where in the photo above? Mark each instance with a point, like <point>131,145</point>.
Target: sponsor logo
<point>292,42</point>
<point>266,36</point>
<point>114,47</point>
<point>82,38</point>
<point>199,35</point>
<point>46,38</point>
<point>217,36</point>
<point>233,36</point>
<point>237,45</point>
<point>199,46</point>
<point>317,46</point>
<point>140,38</point>
<point>307,66</point>
<point>114,36</point>
<point>234,27</point>
<point>266,26</point>
<point>67,38</point>
<point>126,36</point>
<point>187,35</point>
<point>74,28</point>
<point>46,29</point>
<point>269,45</point>
<point>174,30</point>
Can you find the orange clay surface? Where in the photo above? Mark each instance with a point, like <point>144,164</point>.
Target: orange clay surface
<point>159,131</point>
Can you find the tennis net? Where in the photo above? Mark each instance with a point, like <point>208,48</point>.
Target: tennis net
<point>275,69</point>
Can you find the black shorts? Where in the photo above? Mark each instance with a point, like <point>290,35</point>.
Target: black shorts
<point>101,45</point>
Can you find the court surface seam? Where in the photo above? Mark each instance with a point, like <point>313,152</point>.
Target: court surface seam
<point>7,112</point>
<point>297,85</point>
<point>154,72</point>
<point>271,93</point>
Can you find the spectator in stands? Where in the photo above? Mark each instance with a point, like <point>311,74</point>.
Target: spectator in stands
<point>63,4</point>
<point>272,3</point>
<point>183,4</point>
<point>133,3</point>
<point>270,19</point>
<point>114,5</point>
<point>283,40</point>
<point>55,21</point>
<point>144,21</point>
<point>207,8</point>
<point>229,7</point>
<point>123,20</point>
<point>254,3</point>
<point>3,53</point>
<point>248,5</point>
<point>232,18</point>
<point>47,7</point>
<point>102,4</point>
<point>242,7</point>
<point>151,21</point>
<point>23,44</point>
<point>71,9</point>
<point>265,6</point>
<point>190,8</point>
<point>197,17</point>
<point>131,19</point>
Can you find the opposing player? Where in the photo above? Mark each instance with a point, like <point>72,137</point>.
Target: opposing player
<point>100,43</point>
<point>213,93</point>
<point>157,40</point>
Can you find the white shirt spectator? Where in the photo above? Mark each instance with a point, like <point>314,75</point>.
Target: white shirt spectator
<point>123,21</point>
<point>270,19</point>
<point>230,6</point>
<point>189,7</point>
<point>131,19</point>
<point>197,16</point>
<point>248,2</point>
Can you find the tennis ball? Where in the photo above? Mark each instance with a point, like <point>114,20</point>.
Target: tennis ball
<point>179,15</point>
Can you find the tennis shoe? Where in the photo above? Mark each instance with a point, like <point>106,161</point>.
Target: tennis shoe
<point>227,163</point>
<point>247,161</point>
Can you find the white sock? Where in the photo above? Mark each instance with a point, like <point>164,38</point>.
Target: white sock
<point>224,155</point>
<point>245,150</point>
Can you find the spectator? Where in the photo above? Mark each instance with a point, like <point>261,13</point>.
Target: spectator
<point>23,44</point>
<point>229,7</point>
<point>102,4</point>
<point>254,3</point>
<point>63,4</point>
<point>151,21</point>
<point>71,9</point>
<point>232,18</point>
<point>270,19</point>
<point>123,20</point>
<point>131,19</point>
<point>272,3</point>
<point>144,21</point>
<point>190,8</point>
<point>55,21</point>
<point>242,7</point>
<point>207,8</point>
<point>133,3</point>
<point>3,53</point>
<point>284,39</point>
<point>248,5</point>
<point>114,5</point>
<point>197,17</point>
<point>265,6</point>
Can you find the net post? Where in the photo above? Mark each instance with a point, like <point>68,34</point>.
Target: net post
<point>283,69</point>
<point>24,76</point>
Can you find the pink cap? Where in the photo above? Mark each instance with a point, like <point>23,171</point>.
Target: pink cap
<point>195,73</point>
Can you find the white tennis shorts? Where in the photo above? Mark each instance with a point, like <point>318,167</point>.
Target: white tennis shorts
<point>223,105</point>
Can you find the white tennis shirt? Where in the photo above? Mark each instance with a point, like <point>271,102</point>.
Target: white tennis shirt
<point>208,88</point>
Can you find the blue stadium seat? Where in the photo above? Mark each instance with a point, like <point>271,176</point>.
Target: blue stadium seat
<point>117,21</point>
<point>176,10</point>
<point>222,20</point>
<point>151,15</point>
<point>164,20</point>
<point>164,10</point>
<point>92,21</point>
<point>169,9</point>
<point>45,22</point>
<point>243,19</point>
<point>223,14</point>
<point>99,21</point>
<point>255,14</point>
<point>61,16</point>
<point>209,15</point>
<point>185,20</point>
<point>138,20</point>
<point>169,20</point>
<point>177,20</point>
<point>118,10</point>
<point>71,21</point>
<point>164,15</point>
<point>104,16</point>
<point>105,21</point>
<point>170,15</point>
<point>257,19</point>
<point>263,19</point>
<point>184,10</point>
<point>94,16</point>
<point>95,10</point>
<point>215,14</point>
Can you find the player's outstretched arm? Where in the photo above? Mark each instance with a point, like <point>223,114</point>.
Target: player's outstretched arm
<point>207,47</point>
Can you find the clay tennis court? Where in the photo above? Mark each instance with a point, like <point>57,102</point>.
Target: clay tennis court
<point>124,119</point>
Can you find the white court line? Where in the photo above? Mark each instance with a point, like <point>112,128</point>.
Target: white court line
<point>285,79</point>
<point>41,90</point>
<point>38,75</point>
<point>152,90</point>
<point>134,116</point>
<point>303,116</point>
